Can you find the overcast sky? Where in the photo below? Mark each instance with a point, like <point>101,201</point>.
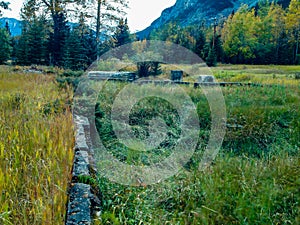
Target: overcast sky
<point>140,14</point>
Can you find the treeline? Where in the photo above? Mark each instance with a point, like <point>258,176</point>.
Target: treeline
<point>48,38</point>
<point>266,34</point>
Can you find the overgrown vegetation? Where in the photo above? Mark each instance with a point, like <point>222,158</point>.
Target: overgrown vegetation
<point>36,142</point>
<point>265,34</point>
<point>255,178</point>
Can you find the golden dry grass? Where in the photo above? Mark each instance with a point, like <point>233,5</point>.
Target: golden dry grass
<point>36,142</point>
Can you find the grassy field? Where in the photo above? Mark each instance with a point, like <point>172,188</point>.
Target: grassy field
<point>257,74</point>
<point>36,140</point>
<point>254,179</point>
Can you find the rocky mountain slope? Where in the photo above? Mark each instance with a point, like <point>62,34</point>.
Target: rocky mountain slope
<point>15,26</point>
<point>188,12</point>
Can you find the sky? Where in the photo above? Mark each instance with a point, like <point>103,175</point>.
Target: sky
<point>141,13</point>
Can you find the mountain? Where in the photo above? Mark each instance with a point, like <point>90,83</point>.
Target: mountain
<point>190,12</point>
<point>15,26</point>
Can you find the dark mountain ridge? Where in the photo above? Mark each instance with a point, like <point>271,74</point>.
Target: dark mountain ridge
<point>191,12</point>
<point>15,26</point>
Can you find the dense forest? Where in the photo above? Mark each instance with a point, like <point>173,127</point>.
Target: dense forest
<point>266,34</point>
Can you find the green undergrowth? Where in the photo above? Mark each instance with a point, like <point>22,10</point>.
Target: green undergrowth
<point>235,190</point>
<point>254,179</point>
<point>284,75</point>
<point>36,142</point>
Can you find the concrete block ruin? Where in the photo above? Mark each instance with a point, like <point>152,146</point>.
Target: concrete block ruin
<point>82,202</point>
<point>111,75</point>
<point>176,75</point>
<point>206,79</point>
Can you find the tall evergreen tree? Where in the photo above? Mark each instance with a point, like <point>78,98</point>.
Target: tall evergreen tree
<point>216,44</point>
<point>7,28</point>
<point>5,47</point>
<point>22,52</point>
<point>211,59</point>
<point>122,34</point>
<point>90,46</point>
<point>200,43</point>
<point>58,38</point>
<point>32,47</point>
<point>80,49</point>
<point>74,53</point>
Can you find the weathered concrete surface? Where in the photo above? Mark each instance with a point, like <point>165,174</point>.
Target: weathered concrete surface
<point>81,165</point>
<point>82,203</point>
<point>105,75</point>
<point>176,75</point>
<point>79,207</point>
<point>80,138</point>
<point>206,79</point>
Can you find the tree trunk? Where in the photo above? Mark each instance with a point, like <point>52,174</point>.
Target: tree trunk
<point>297,46</point>
<point>98,27</point>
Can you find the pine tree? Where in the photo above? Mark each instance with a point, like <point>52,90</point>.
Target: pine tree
<point>212,57</point>
<point>22,52</point>
<point>58,38</point>
<point>38,41</point>
<point>80,49</point>
<point>5,48</point>
<point>90,46</point>
<point>7,28</point>
<point>200,43</point>
<point>32,47</point>
<point>122,34</point>
<point>74,52</point>
<point>216,44</point>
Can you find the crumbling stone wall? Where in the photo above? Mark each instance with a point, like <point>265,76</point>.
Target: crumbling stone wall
<point>82,202</point>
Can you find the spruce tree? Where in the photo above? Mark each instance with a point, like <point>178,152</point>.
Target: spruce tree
<point>122,34</point>
<point>200,43</point>
<point>5,47</point>
<point>32,47</point>
<point>7,28</point>
<point>212,57</point>
<point>38,41</point>
<point>74,52</point>
<point>58,38</point>
<point>22,48</point>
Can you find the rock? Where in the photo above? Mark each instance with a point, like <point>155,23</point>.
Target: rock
<point>79,206</point>
<point>176,75</point>
<point>196,12</point>
<point>105,75</point>
<point>189,12</point>
<point>81,124</point>
<point>81,165</point>
<point>206,79</point>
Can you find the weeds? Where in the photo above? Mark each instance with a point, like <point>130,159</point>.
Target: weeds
<point>255,178</point>
<point>36,141</point>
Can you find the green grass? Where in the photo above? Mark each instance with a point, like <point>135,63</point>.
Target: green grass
<point>235,190</point>
<point>254,179</point>
<point>36,140</point>
<point>257,74</point>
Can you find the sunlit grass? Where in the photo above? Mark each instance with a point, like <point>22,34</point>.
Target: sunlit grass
<point>36,140</point>
<point>261,74</point>
<point>235,190</point>
<point>254,179</point>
